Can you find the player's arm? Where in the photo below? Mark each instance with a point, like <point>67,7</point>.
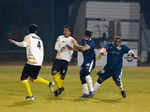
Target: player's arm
<point>76,46</point>
<point>24,43</point>
<point>82,48</point>
<point>57,45</point>
<point>58,48</point>
<point>85,47</point>
<point>72,45</point>
<point>103,51</point>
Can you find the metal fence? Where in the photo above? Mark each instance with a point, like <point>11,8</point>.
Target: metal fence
<point>17,15</point>
<point>50,15</point>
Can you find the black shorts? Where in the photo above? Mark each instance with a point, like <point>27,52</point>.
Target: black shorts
<point>60,66</point>
<point>30,71</point>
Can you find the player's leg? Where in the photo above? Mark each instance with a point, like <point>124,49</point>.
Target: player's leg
<point>90,84</point>
<point>55,73</point>
<point>63,71</point>
<point>103,75</point>
<point>84,84</point>
<point>89,78</point>
<point>117,77</point>
<point>58,70</point>
<point>24,79</point>
<point>41,80</point>
<point>35,78</point>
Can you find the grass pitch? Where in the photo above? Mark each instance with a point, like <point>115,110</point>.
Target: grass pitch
<point>106,99</point>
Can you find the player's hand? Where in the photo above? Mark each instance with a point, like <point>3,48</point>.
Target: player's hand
<point>70,48</point>
<point>63,48</point>
<point>102,54</point>
<point>11,41</point>
<point>137,57</point>
<point>103,51</point>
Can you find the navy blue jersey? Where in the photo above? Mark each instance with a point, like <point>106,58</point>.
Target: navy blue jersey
<point>88,55</point>
<point>115,56</point>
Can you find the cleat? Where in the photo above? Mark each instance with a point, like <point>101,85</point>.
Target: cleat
<point>91,94</point>
<point>55,93</point>
<point>51,86</point>
<point>123,93</point>
<point>85,96</point>
<point>59,91</point>
<point>29,98</point>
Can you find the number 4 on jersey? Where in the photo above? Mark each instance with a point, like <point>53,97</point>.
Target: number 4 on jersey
<point>39,45</point>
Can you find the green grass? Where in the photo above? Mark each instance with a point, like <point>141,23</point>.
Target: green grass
<point>106,99</point>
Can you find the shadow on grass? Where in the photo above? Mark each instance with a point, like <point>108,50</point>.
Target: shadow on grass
<point>54,98</point>
<point>62,98</point>
<point>80,99</point>
<point>118,100</point>
<point>20,104</point>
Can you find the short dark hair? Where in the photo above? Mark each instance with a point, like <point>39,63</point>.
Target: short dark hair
<point>67,26</point>
<point>117,38</point>
<point>33,28</point>
<point>88,33</point>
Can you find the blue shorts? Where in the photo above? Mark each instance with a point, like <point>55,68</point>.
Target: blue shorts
<point>86,68</point>
<point>106,73</point>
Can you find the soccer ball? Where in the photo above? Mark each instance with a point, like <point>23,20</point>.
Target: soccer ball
<point>129,58</point>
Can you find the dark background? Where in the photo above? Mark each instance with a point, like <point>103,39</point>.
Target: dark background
<point>50,15</point>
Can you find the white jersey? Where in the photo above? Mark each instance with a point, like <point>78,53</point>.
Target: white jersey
<point>67,53</point>
<point>35,51</point>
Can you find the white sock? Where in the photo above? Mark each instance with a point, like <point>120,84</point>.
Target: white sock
<point>90,82</point>
<point>96,86</point>
<point>85,89</point>
<point>53,83</point>
<point>121,87</point>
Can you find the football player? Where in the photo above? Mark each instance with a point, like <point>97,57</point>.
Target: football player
<point>64,48</point>
<point>35,53</point>
<point>113,68</point>
<point>87,48</point>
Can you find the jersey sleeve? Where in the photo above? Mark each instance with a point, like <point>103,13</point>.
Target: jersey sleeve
<point>73,38</point>
<point>81,43</point>
<point>107,47</point>
<point>25,43</point>
<point>58,38</point>
<point>27,40</point>
<point>92,44</point>
<point>57,46</point>
<point>70,43</point>
<point>126,49</point>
